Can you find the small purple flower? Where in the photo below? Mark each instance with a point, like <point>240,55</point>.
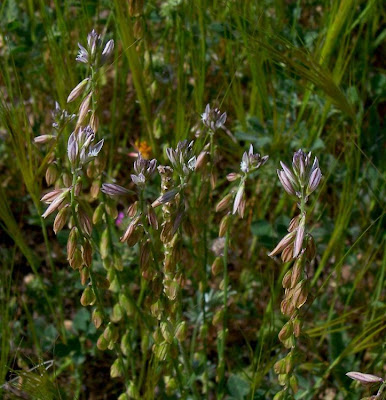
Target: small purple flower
<point>120,218</point>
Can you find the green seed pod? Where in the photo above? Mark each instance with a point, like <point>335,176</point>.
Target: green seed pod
<point>52,174</point>
<point>279,395</point>
<point>132,391</point>
<point>117,369</point>
<point>157,336</point>
<point>125,344</point>
<point>294,384</point>
<point>217,266</point>
<point>117,262</point>
<point>102,343</point>
<point>84,275</point>
<point>166,331</point>
<point>126,304</point>
<point>224,225</point>
<point>97,318</point>
<point>88,297</point>
<point>117,313</point>
<point>61,219</point>
<point>286,282</point>
<point>172,289</point>
<point>157,309</point>
<point>282,379</point>
<point>286,331</point>
<point>98,214</point>
<point>171,385</point>
<point>72,242</point>
<point>218,318</point>
<point>161,351</point>
<point>144,343</point>
<point>111,333</point>
<point>104,244</point>
<point>87,253</point>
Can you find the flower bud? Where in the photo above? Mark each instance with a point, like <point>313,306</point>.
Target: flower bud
<point>77,91</point>
<point>233,176</point>
<point>224,203</point>
<point>83,109</point>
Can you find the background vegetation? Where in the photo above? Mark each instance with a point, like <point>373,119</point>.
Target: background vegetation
<point>290,75</point>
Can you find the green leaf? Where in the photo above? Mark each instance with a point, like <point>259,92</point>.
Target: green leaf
<point>238,387</point>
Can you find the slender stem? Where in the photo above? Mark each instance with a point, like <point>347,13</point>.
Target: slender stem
<point>225,316</point>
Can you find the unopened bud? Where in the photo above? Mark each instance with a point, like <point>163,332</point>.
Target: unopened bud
<point>77,91</point>
<point>232,176</point>
<point>94,122</point>
<point>202,160</point>
<point>83,109</point>
<point>224,203</point>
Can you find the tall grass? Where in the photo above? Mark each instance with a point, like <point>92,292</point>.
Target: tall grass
<point>289,75</point>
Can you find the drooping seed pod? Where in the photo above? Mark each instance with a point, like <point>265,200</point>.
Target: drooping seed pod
<point>52,174</point>
<point>88,297</point>
<point>61,219</point>
<point>97,318</point>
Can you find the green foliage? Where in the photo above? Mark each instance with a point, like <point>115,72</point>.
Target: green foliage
<point>289,75</point>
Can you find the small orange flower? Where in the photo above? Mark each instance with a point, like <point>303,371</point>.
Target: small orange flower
<point>143,148</point>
